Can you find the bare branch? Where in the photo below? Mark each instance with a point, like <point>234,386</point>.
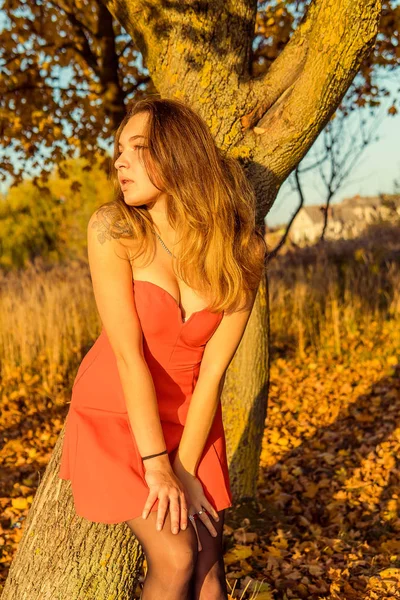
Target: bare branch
<point>275,251</point>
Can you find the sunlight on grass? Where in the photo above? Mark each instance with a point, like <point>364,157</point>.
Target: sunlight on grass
<point>47,319</point>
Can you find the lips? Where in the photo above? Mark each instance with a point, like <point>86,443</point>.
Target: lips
<point>125,182</point>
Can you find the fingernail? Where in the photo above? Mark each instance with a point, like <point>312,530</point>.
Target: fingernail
<point>158,526</point>
<point>175,530</point>
<point>183,526</point>
<point>143,515</point>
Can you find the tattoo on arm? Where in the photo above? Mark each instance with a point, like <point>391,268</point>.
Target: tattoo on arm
<point>110,224</point>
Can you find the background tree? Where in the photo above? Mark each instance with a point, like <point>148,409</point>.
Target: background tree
<point>50,222</point>
<point>333,158</point>
<point>68,71</point>
<point>203,54</point>
<point>69,68</point>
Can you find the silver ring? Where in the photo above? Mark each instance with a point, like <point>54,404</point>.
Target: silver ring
<point>191,517</point>
<point>200,512</point>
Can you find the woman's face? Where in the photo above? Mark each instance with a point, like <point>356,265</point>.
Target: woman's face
<point>132,144</point>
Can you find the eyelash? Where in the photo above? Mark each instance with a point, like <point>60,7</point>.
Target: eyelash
<point>119,153</point>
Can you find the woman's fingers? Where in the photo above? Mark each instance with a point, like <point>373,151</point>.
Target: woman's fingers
<point>161,511</point>
<point>184,511</point>
<point>167,488</point>
<point>207,507</point>
<point>174,510</point>
<point>177,512</point>
<point>207,522</point>
<point>206,504</point>
<point>200,547</point>
<point>151,498</point>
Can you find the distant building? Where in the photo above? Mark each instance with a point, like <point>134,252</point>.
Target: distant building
<point>346,219</point>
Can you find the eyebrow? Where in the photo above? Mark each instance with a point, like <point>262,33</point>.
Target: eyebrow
<point>133,137</point>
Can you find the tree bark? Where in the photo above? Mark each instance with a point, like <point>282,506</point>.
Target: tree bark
<point>64,557</point>
<point>244,400</point>
<point>200,52</point>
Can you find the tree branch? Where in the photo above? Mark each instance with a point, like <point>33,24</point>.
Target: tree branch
<point>337,37</point>
<point>275,251</point>
<point>80,29</point>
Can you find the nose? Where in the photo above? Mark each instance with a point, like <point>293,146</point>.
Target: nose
<point>121,161</point>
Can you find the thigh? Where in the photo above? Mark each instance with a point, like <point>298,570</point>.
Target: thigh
<point>164,547</point>
<point>211,555</point>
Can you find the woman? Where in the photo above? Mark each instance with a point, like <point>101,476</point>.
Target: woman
<point>175,262</point>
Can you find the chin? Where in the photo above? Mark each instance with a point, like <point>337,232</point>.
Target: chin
<point>132,202</point>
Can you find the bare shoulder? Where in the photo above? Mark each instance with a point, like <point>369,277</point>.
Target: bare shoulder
<point>111,276</point>
<point>107,223</point>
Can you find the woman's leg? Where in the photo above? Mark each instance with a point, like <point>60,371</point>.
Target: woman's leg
<point>209,576</point>
<point>170,557</point>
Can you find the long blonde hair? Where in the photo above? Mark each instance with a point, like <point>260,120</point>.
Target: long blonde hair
<point>211,204</point>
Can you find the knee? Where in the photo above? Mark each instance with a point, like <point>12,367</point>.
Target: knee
<point>210,582</point>
<point>178,565</point>
<point>183,561</point>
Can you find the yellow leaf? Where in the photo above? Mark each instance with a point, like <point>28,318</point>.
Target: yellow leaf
<point>390,574</point>
<point>392,360</point>
<point>274,436</point>
<point>274,552</point>
<point>283,441</point>
<point>265,596</point>
<point>239,552</point>
<point>19,503</point>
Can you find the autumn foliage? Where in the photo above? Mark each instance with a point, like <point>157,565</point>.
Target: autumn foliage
<point>48,222</point>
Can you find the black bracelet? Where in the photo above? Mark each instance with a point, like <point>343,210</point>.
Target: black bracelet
<point>152,455</point>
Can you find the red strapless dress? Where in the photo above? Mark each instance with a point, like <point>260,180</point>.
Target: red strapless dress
<point>99,453</point>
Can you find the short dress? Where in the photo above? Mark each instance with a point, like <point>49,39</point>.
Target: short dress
<point>99,454</point>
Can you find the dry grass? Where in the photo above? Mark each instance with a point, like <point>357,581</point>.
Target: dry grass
<point>47,320</point>
<point>320,297</point>
<point>324,296</point>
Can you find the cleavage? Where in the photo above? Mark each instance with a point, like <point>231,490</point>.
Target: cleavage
<point>156,281</point>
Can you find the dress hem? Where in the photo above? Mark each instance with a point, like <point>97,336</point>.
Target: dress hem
<point>225,505</point>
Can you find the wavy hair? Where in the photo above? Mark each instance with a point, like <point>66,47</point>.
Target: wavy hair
<point>211,205</point>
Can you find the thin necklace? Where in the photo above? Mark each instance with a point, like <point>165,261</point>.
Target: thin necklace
<point>164,246</point>
<point>169,252</point>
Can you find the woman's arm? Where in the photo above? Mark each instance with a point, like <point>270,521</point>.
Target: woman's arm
<point>111,275</point>
<point>218,354</point>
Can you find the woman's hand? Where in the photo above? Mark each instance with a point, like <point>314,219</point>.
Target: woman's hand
<point>165,485</point>
<point>196,500</point>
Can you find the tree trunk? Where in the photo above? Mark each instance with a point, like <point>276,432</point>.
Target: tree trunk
<point>244,400</point>
<point>203,57</point>
<point>64,557</point>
